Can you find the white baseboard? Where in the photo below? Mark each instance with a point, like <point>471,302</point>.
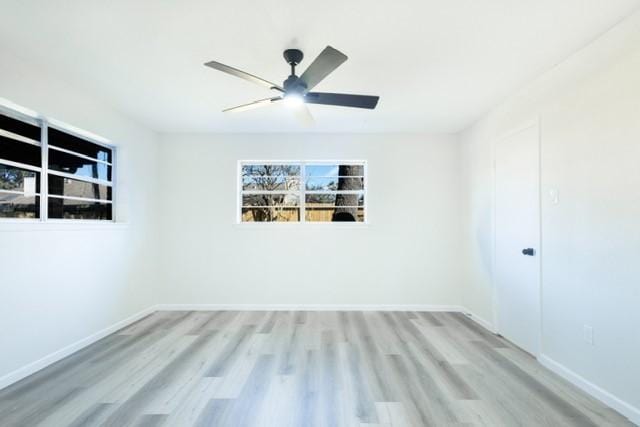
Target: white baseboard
<point>480,321</point>
<point>31,368</point>
<point>307,307</point>
<point>629,411</point>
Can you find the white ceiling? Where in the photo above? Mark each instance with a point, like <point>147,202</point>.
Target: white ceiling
<point>437,65</point>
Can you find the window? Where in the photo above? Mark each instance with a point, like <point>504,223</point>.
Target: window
<point>50,173</point>
<point>302,191</point>
<point>80,178</point>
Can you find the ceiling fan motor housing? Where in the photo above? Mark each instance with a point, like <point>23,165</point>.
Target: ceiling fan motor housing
<point>293,85</point>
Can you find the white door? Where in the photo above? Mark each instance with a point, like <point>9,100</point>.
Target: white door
<point>518,238</point>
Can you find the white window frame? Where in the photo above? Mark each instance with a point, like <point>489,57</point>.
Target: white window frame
<point>44,124</point>
<point>301,192</point>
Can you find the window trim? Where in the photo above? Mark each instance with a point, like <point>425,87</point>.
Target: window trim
<point>302,192</point>
<point>44,123</point>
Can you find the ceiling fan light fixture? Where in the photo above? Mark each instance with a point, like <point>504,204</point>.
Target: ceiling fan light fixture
<point>293,100</point>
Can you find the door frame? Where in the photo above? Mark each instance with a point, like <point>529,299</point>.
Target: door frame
<point>534,122</point>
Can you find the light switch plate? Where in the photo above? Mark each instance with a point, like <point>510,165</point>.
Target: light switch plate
<point>554,196</point>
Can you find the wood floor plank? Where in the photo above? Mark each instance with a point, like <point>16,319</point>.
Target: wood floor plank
<point>408,333</point>
<point>196,398</point>
<point>267,327</point>
<point>92,416</point>
<point>240,368</point>
<point>300,368</point>
<point>438,337</point>
<point>412,397</point>
<point>308,391</point>
<point>364,408</point>
<point>429,318</point>
<point>244,409</point>
<point>372,360</point>
<point>287,362</point>
<point>510,406</point>
<point>150,420</point>
<point>234,347</point>
<point>214,413</point>
<point>330,411</point>
<point>397,414</point>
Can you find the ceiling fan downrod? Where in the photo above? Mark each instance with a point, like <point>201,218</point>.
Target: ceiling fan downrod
<point>293,58</point>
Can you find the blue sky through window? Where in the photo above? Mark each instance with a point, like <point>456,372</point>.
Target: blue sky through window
<point>321,170</point>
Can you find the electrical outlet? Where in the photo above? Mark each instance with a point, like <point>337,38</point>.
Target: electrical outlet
<point>588,334</point>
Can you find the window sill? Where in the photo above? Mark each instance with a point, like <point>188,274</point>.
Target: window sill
<point>9,226</point>
<point>299,225</point>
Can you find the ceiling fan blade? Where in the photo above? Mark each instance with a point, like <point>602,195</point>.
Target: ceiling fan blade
<point>303,115</point>
<point>252,105</point>
<point>342,99</point>
<point>328,60</point>
<point>243,75</point>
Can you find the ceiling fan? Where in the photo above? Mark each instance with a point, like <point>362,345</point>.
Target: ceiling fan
<point>295,91</point>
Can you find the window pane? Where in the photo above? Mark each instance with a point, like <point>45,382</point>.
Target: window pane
<point>19,206</point>
<point>20,152</point>
<point>334,207</point>
<point>271,183</point>
<point>282,214</point>
<point>78,209</point>
<point>334,214</point>
<point>270,170</point>
<point>65,162</point>
<point>73,188</point>
<point>328,199</point>
<point>69,142</point>
<point>334,183</point>
<point>17,179</point>
<point>19,127</point>
<point>272,200</point>
<point>328,170</point>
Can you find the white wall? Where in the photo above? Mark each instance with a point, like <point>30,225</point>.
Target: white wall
<point>589,111</point>
<point>60,284</point>
<point>408,254</point>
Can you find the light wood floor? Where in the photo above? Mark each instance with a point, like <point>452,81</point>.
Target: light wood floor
<point>300,369</point>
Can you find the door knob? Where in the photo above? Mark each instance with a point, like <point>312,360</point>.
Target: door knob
<point>528,252</point>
